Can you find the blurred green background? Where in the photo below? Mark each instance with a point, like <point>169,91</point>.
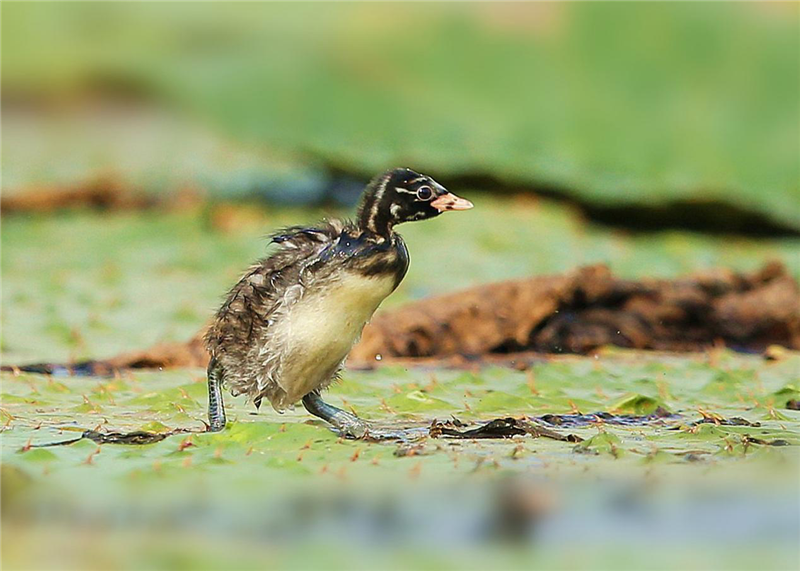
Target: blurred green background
<point>657,138</point>
<point>646,103</point>
<point>630,135</point>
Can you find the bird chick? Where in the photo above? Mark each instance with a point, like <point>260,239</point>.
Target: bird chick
<point>287,326</point>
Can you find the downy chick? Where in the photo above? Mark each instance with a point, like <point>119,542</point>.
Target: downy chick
<point>287,326</point>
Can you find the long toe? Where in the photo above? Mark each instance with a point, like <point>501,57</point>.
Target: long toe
<point>354,428</point>
<point>396,433</point>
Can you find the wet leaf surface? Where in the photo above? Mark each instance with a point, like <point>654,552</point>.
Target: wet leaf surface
<point>691,409</point>
<point>438,432</point>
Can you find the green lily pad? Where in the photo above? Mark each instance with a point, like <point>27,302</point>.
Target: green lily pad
<point>636,404</point>
<point>601,443</point>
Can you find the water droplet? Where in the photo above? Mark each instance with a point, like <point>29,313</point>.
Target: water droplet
<point>378,357</point>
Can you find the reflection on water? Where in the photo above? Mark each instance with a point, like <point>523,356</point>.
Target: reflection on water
<point>621,522</point>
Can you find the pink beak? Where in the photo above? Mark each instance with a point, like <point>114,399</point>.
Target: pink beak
<point>450,201</point>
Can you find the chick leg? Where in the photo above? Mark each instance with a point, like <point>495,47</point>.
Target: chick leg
<point>346,423</point>
<point>216,408</point>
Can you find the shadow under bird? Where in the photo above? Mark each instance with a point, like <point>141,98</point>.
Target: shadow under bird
<point>287,326</point>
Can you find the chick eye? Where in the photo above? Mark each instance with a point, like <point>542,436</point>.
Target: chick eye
<point>424,193</point>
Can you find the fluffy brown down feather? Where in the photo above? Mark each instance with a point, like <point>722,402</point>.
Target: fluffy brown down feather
<point>245,338</point>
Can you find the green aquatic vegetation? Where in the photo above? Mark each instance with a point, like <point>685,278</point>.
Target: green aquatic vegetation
<point>39,409</point>
<point>636,404</point>
<point>281,472</point>
<point>637,104</point>
<point>602,443</point>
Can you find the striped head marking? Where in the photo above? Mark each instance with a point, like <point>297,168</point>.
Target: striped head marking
<point>402,195</point>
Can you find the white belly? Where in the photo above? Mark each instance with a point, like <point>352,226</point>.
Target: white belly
<point>321,328</point>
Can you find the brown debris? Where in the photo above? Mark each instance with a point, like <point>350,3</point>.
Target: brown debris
<point>518,321</point>
<point>104,193</point>
<point>589,308</point>
<point>711,418</point>
<point>498,428</point>
<point>164,355</point>
<point>137,437</point>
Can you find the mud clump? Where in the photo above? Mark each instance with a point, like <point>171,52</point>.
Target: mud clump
<point>99,194</point>
<point>573,313</point>
<point>590,308</point>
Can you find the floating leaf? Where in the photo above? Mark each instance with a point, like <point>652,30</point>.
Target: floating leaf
<point>601,443</point>
<point>637,404</point>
